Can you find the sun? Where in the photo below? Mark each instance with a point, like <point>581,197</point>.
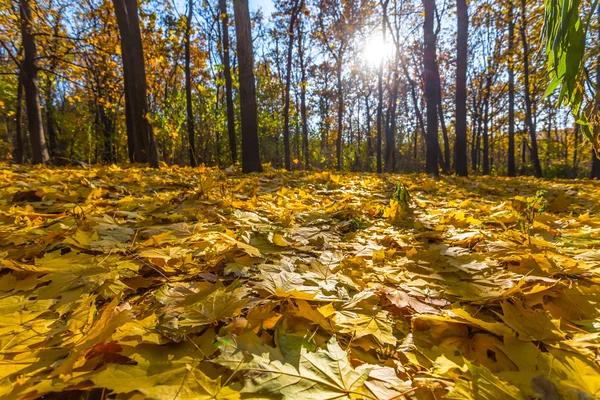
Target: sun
<point>376,50</point>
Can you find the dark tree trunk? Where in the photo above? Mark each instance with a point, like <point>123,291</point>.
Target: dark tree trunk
<point>139,130</point>
<point>188,88</point>
<point>303,84</point>
<point>576,144</point>
<point>415,100</point>
<point>19,153</point>
<point>595,165</point>
<point>288,81</point>
<point>595,173</point>
<point>430,88</point>
<point>446,163</point>
<point>228,80</point>
<point>486,149</point>
<point>512,171</point>
<point>29,72</point>
<point>460,147</point>
<point>528,103</point>
<point>369,133</point>
<point>486,118</point>
<point>249,111</point>
<point>390,134</point>
<point>384,4</point>
<point>340,127</point>
<point>50,123</point>
<point>108,131</point>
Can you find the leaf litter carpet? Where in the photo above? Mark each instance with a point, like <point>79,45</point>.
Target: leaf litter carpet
<point>184,283</point>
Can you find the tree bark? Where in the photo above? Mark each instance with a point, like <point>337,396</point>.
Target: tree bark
<point>188,88</point>
<point>369,133</point>
<point>249,111</point>
<point>595,172</point>
<point>50,123</point>
<point>431,159</point>
<point>511,94</point>
<point>139,130</point>
<point>228,80</point>
<point>527,91</point>
<point>486,117</point>
<point>303,84</point>
<point>460,147</point>
<point>288,81</point>
<point>446,164</point>
<point>390,135</point>
<point>379,122</point>
<point>19,153</point>
<point>340,127</point>
<point>29,72</point>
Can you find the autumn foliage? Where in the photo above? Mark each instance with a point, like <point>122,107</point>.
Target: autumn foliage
<point>198,283</point>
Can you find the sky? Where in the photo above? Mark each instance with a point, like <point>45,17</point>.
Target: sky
<point>266,5</point>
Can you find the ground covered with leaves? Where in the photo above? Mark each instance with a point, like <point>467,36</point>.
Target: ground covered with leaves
<point>185,283</point>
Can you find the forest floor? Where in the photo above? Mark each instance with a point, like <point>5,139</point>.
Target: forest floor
<point>179,283</point>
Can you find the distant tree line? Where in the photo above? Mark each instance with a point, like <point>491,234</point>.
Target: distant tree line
<point>367,85</point>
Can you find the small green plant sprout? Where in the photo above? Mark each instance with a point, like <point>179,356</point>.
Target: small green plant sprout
<point>399,204</point>
<point>534,206</point>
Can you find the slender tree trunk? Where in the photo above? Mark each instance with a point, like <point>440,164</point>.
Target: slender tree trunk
<point>460,147</point>
<point>390,136</point>
<point>384,4</point>
<point>446,164</point>
<point>340,127</point>
<point>136,101</point>
<point>528,103</point>
<point>511,94</point>
<point>595,173</point>
<point>32,97</point>
<point>486,149</point>
<point>486,122</point>
<point>288,81</point>
<point>228,80</point>
<point>50,123</point>
<point>369,133</point>
<point>303,84</point>
<point>108,130</point>
<point>576,144</point>
<point>19,153</point>
<point>188,88</point>
<point>430,88</point>
<point>249,111</point>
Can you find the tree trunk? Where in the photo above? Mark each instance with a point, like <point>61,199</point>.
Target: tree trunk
<point>430,88</point>
<point>228,80</point>
<point>29,73</point>
<point>486,118</point>
<point>338,140</point>
<point>139,130</point>
<point>249,111</point>
<point>50,123</point>
<point>288,81</point>
<point>303,84</point>
<point>486,149</point>
<point>511,94</point>
<point>390,135</point>
<point>384,4</point>
<point>108,130</point>
<point>19,152</point>
<point>188,88</point>
<point>460,147</point>
<point>368,135</point>
<point>446,164</point>
<point>528,113</point>
<point>576,144</point>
